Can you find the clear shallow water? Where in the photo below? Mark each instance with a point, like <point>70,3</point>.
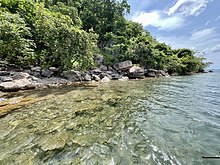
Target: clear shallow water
<point>153,121</point>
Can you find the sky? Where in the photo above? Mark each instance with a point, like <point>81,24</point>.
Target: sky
<point>191,24</point>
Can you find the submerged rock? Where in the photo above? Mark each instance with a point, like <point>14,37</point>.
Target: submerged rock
<point>8,105</point>
<point>52,142</point>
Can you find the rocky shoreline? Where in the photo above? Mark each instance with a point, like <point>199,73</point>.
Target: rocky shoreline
<point>38,78</point>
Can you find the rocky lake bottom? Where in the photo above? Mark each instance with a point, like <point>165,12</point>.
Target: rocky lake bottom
<point>150,121</point>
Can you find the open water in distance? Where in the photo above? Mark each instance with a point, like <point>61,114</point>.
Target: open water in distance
<point>154,121</point>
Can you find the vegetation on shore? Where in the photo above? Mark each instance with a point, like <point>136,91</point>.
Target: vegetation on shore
<point>72,34</point>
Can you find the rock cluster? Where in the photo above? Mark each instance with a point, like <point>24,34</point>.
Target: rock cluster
<point>38,77</point>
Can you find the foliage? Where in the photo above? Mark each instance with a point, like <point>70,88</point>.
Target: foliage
<point>62,44</point>
<point>15,43</point>
<point>70,34</point>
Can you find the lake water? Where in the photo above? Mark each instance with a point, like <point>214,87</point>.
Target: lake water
<point>153,121</point>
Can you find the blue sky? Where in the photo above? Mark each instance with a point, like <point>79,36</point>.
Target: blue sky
<point>191,24</point>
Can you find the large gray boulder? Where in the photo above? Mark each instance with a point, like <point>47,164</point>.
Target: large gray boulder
<point>151,73</point>
<point>136,72</point>
<point>103,68</point>
<point>16,85</point>
<point>20,75</point>
<point>46,72</point>
<point>87,77</point>
<point>96,71</point>
<point>72,75</point>
<point>125,65</point>
<point>163,73</point>
<point>10,76</point>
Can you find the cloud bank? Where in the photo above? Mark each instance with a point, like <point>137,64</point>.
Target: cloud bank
<point>159,20</point>
<point>188,7</point>
<point>214,49</point>
<point>204,33</point>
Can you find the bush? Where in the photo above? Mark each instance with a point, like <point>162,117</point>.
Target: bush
<point>15,44</point>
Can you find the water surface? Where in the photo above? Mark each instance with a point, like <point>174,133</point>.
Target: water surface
<point>153,121</point>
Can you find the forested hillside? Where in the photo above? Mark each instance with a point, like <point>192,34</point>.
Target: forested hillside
<point>71,34</point>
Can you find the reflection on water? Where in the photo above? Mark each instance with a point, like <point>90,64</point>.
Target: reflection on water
<point>152,121</point>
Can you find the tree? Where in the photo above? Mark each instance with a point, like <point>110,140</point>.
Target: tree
<point>15,43</point>
<point>60,43</point>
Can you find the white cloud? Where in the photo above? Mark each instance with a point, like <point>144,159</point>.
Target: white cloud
<point>204,33</point>
<point>213,49</point>
<point>157,19</point>
<point>188,7</point>
<point>205,40</point>
<point>207,23</point>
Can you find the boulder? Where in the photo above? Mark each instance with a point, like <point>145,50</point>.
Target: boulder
<point>46,72</point>
<point>96,71</point>
<point>103,68</point>
<point>110,68</point>
<point>102,75</point>
<point>163,73</point>
<point>145,72</point>
<point>105,79</point>
<point>136,72</point>
<point>87,77</point>
<point>109,76</point>
<point>16,85</point>
<point>54,69</point>
<point>4,73</point>
<point>151,73</point>
<point>36,69</point>
<point>5,79</point>
<point>99,60</point>
<point>72,75</point>
<point>116,76</point>
<point>20,75</point>
<point>125,65</point>
<point>95,77</point>
<point>211,71</point>
<point>124,78</point>
<point>109,72</point>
